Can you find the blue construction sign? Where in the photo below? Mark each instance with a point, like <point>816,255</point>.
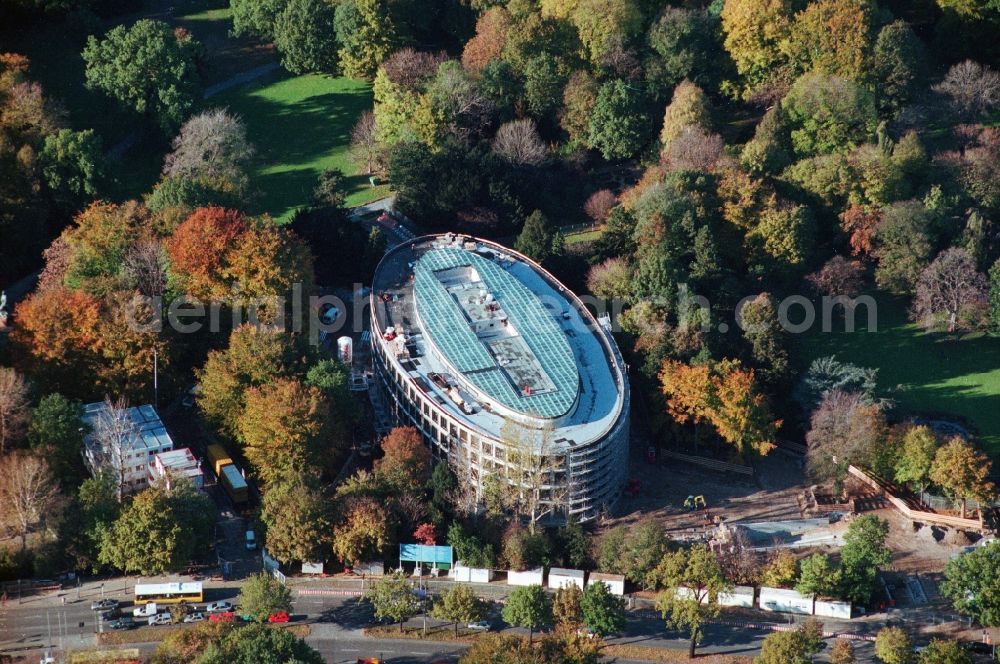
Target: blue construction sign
<point>426,553</point>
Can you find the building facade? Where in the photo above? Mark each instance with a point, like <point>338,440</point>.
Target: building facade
<point>132,438</point>
<point>504,371</point>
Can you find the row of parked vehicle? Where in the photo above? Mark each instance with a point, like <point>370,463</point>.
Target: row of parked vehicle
<point>221,611</point>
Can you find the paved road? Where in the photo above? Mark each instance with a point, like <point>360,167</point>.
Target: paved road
<point>37,623</point>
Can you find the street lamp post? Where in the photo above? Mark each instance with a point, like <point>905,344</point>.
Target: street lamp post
<point>156,378</point>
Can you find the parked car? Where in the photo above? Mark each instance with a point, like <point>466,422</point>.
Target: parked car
<point>161,619</point>
<point>125,622</point>
<point>197,616</point>
<point>216,607</point>
<point>104,605</point>
<point>328,314</point>
<point>279,617</point>
<point>586,633</point>
<point>222,616</point>
<point>251,540</point>
<point>482,625</point>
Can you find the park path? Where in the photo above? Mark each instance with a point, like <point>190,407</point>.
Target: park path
<point>240,79</point>
<point>124,145</point>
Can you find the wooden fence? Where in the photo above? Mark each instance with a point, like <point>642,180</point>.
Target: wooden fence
<point>712,464</point>
<point>931,518</point>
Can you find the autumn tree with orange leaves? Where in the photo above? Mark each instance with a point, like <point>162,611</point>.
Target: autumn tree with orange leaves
<point>363,530</point>
<point>725,395</point>
<point>859,223</point>
<point>489,41</point>
<point>267,261</point>
<point>98,242</point>
<point>688,389</point>
<point>59,325</point>
<point>740,412</point>
<point>281,428</point>
<point>407,461</point>
<point>198,247</point>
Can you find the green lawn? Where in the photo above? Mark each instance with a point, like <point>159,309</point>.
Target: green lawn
<point>923,373</point>
<point>584,236</point>
<point>300,126</point>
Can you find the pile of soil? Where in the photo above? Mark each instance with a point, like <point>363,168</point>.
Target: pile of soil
<point>955,537</point>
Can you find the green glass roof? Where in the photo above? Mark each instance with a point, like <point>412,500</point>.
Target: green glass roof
<point>449,329</point>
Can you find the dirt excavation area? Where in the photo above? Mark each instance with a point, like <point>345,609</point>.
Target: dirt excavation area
<point>773,505</point>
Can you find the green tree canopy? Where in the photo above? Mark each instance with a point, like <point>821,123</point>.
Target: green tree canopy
<point>256,18</point>
<point>254,644</point>
<point>469,548</point>
<point>634,552</point>
<point>262,595</point>
<point>366,35</point>
<point>529,607</point>
<point>304,35</point>
<point>863,554</point>
<point>917,456</point>
<point>148,67</point>
<point>939,651</point>
<point>574,544</point>
<point>602,612</point>
<point>392,598</point>
<point>972,583</point>
<point>904,242</point>
<point>459,604</point>
<point>828,114</point>
<point>535,240</point>
<point>160,531</point>
<point>994,296</point>
<point>685,44</point>
<point>893,646</point>
<point>691,581</point>
<point>899,64</point>
<point>619,125</point>
<point>89,518</point>
<point>57,430</point>
<point>73,165</point>
<point>818,576</point>
<point>794,647</point>
<point>605,24</point>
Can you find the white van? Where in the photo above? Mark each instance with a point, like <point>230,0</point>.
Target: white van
<point>251,540</point>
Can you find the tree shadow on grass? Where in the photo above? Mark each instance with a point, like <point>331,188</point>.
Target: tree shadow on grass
<point>924,373</point>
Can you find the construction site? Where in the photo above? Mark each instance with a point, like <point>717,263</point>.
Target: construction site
<point>503,370</point>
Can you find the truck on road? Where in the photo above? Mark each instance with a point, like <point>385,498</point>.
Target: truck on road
<point>145,611</point>
<point>229,475</point>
